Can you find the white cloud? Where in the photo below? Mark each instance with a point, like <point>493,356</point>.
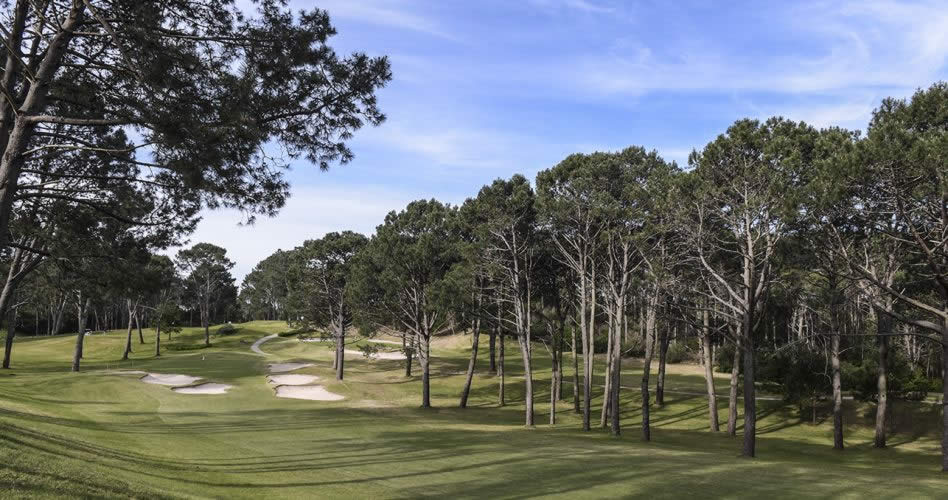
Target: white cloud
<point>311,212</point>
<point>391,13</point>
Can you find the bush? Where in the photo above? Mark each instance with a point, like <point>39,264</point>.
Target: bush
<point>184,347</point>
<point>724,358</point>
<point>226,329</point>
<point>679,352</point>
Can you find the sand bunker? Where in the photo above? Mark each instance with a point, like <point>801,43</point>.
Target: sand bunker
<point>380,341</point>
<point>311,392</point>
<point>380,355</point>
<point>292,379</point>
<point>169,379</point>
<point>127,372</point>
<point>287,367</point>
<point>208,388</point>
<point>317,339</point>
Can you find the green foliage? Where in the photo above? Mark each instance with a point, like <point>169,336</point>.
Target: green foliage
<point>679,352</point>
<point>178,346</point>
<point>226,329</point>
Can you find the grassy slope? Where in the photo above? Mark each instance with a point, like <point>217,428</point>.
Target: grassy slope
<point>97,435</point>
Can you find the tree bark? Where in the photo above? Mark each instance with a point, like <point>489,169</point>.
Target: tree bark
<point>750,400</point>
<point>340,350</point>
<point>409,353</point>
<point>575,370</point>
<point>128,339</point>
<point>11,333</point>
<point>647,365</point>
<point>709,371</point>
<point>77,354</point>
<point>475,338</point>
<point>138,325</point>
<point>944,396</point>
<point>883,328</point>
<point>500,368</point>
<point>425,372</point>
<point>492,366</point>
<point>662,355</point>
<point>837,393</point>
<point>732,395</point>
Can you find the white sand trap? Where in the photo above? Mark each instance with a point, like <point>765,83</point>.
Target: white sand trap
<point>208,388</point>
<point>317,339</point>
<point>169,379</point>
<point>292,379</point>
<point>311,392</point>
<point>127,372</point>
<point>287,367</point>
<point>380,341</point>
<point>380,355</point>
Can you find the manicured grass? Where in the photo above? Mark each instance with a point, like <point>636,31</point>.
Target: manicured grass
<point>93,434</point>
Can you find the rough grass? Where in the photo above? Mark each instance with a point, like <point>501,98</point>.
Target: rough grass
<point>96,435</point>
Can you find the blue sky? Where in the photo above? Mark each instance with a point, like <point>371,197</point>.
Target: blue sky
<point>485,89</point>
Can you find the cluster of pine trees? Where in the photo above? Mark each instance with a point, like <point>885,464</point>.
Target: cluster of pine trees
<point>814,259</point>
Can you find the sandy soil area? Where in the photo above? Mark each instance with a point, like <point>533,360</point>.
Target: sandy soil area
<point>169,379</point>
<point>208,388</point>
<point>292,379</point>
<point>311,392</point>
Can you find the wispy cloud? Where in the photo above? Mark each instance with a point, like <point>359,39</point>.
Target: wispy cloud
<point>389,13</point>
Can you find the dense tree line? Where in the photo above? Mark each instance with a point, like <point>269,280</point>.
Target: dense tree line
<point>121,120</point>
<point>812,261</point>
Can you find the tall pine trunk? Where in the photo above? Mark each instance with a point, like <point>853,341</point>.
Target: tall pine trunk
<point>475,338</point>
<point>500,368</point>
<point>883,329</point>
<point>11,333</point>
<point>662,355</point>
<point>750,396</point>
<point>138,325</point>
<point>647,365</point>
<point>424,356</point>
<point>492,363</point>
<point>80,338</point>
<point>837,393</point>
<point>128,338</point>
<point>575,370</point>
<point>732,395</point>
<point>709,371</point>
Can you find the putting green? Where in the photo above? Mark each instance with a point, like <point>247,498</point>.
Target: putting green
<point>96,434</point>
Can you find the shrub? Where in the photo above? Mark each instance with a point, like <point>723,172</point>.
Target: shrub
<point>226,329</point>
<point>184,347</point>
<point>679,352</point>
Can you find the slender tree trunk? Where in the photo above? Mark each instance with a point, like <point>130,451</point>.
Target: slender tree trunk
<point>750,399</point>
<point>475,338</point>
<point>647,365</point>
<point>205,320</point>
<point>340,348</point>
<point>944,396</point>
<point>527,379</point>
<point>883,328</point>
<point>837,393</point>
<point>492,366</point>
<point>409,353</point>
<point>607,389</point>
<point>158,337</point>
<point>732,395</point>
<point>617,374</point>
<point>554,379</point>
<point>77,354</point>
<point>424,357</point>
<point>709,371</point>
<point>11,333</point>
<point>500,368</point>
<point>138,325</point>
<point>662,355</point>
<point>128,339</point>
<point>575,370</point>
